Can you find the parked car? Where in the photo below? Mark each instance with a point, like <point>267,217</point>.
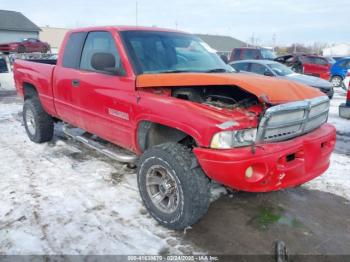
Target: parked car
<point>275,69</point>
<point>344,108</point>
<point>3,65</point>
<point>306,64</point>
<point>27,45</point>
<point>339,71</point>
<point>244,53</point>
<point>181,114</point>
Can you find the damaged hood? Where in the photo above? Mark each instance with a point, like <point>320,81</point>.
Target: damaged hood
<point>267,89</point>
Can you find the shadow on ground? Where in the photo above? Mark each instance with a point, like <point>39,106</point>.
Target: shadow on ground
<point>309,222</point>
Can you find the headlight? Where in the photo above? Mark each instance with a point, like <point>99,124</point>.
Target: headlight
<point>230,139</point>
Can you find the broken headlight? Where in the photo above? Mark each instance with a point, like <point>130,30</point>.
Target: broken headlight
<point>231,139</point>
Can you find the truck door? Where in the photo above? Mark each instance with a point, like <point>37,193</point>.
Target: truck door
<point>106,93</point>
<point>66,81</point>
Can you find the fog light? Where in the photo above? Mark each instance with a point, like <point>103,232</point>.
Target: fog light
<point>249,172</point>
<point>256,172</point>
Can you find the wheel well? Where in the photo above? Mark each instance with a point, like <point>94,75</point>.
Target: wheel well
<point>150,134</point>
<point>29,91</point>
<point>337,76</point>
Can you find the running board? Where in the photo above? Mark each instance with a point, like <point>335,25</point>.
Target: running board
<point>80,135</point>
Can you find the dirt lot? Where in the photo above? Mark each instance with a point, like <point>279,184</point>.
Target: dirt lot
<point>62,198</point>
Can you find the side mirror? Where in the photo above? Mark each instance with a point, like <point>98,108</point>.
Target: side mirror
<point>105,62</point>
<point>224,58</point>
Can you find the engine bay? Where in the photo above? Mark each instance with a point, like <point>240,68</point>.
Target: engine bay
<point>226,97</point>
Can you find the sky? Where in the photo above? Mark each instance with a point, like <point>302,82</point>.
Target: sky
<point>280,21</point>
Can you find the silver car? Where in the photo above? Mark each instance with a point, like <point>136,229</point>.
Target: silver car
<point>275,69</point>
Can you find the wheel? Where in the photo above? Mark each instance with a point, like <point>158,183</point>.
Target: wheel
<point>38,124</point>
<point>174,193</point>
<point>336,81</point>
<point>44,50</point>
<point>21,49</point>
<point>298,68</point>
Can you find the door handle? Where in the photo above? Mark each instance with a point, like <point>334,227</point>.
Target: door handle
<point>75,82</point>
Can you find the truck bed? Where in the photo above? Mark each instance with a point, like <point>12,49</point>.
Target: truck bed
<point>37,73</point>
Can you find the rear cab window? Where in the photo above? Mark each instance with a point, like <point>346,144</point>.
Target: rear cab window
<point>72,50</point>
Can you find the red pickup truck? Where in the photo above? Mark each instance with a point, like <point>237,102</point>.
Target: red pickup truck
<point>184,114</point>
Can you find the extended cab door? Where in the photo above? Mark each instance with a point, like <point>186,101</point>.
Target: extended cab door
<point>100,99</point>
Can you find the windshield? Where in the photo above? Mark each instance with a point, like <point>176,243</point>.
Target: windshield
<point>169,52</point>
<point>267,54</point>
<point>279,69</point>
<point>330,60</point>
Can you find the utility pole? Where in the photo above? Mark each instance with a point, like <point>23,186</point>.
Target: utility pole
<point>274,42</point>
<point>136,14</point>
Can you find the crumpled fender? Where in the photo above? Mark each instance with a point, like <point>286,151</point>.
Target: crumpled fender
<point>267,89</point>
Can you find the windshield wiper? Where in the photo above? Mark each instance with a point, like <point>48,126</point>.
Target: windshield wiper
<point>174,71</point>
<point>217,70</point>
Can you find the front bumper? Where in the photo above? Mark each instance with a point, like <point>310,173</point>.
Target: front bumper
<point>271,166</point>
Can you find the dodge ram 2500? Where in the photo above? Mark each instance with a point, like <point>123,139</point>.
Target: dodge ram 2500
<point>184,115</point>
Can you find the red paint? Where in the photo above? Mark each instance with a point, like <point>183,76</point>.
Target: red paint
<point>312,153</point>
<point>112,107</point>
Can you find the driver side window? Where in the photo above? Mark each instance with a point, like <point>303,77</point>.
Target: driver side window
<point>99,42</point>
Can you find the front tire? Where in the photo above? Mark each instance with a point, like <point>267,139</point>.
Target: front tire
<point>174,192</point>
<point>336,81</point>
<point>38,124</point>
<point>44,50</point>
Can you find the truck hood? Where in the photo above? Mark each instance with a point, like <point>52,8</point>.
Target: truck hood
<point>267,89</point>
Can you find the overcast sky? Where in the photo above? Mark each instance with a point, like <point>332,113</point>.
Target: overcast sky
<point>304,21</point>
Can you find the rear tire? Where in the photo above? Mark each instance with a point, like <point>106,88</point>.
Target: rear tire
<point>38,124</point>
<point>174,192</point>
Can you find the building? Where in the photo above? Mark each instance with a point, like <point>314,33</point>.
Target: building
<point>222,44</point>
<point>337,50</point>
<point>53,35</point>
<point>14,26</point>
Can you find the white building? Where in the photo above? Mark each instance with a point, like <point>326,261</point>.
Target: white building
<point>14,26</point>
<point>337,50</point>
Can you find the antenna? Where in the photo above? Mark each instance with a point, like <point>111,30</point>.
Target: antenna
<point>136,14</point>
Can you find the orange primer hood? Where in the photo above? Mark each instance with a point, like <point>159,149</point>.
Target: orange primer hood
<point>276,91</point>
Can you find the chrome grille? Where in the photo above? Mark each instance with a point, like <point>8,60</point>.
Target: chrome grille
<point>293,119</point>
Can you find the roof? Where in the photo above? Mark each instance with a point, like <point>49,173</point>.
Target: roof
<point>126,28</point>
<point>222,43</point>
<point>16,21</point>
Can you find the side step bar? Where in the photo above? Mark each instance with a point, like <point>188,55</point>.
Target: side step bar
<point>122,157</point>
